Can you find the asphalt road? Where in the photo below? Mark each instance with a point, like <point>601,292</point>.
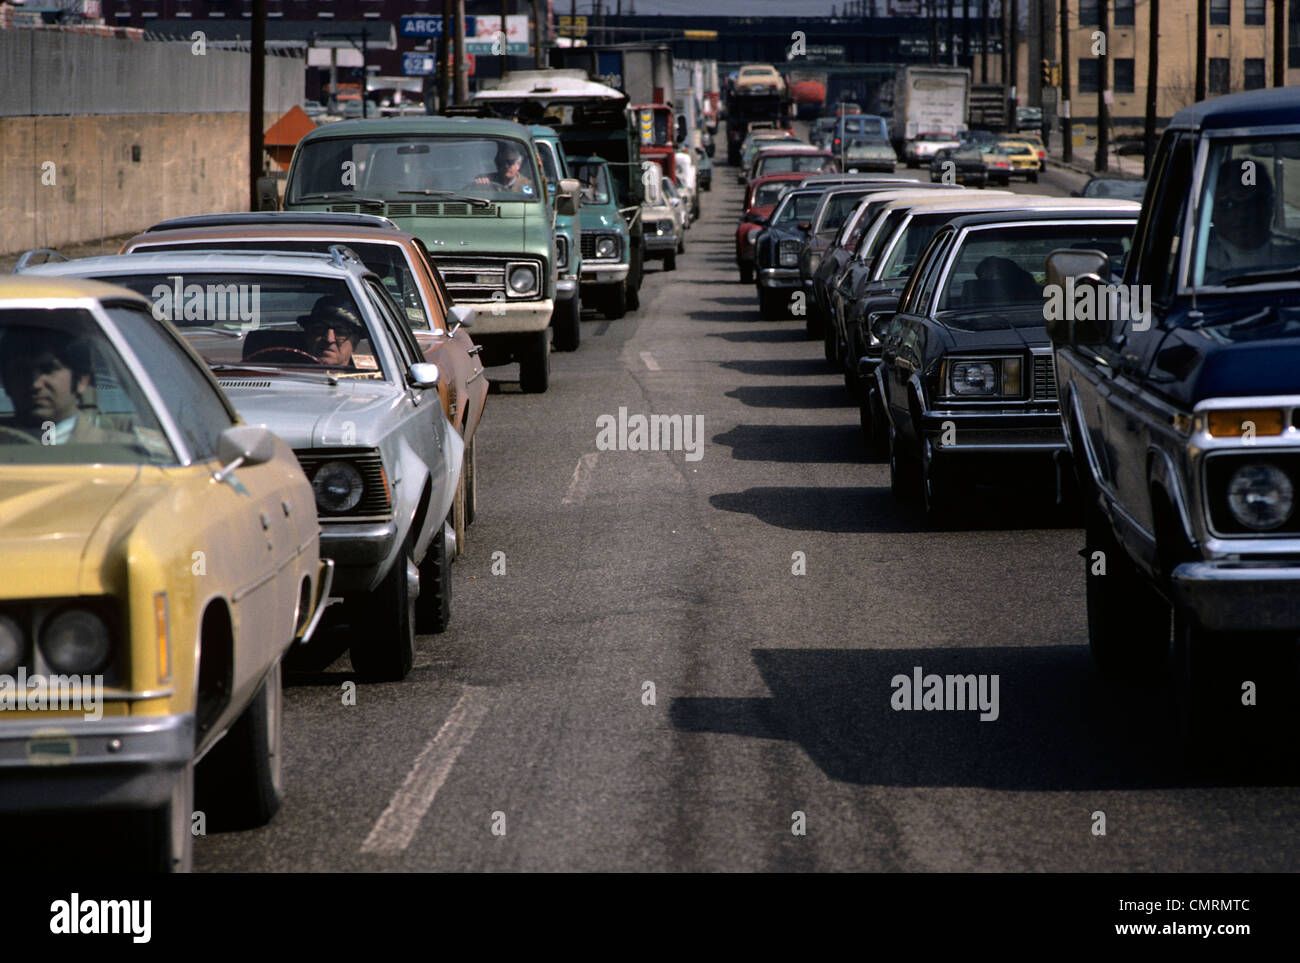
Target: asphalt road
<point>522,740</point>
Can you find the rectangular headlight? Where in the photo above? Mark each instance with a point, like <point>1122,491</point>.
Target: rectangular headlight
<point>985,377</point>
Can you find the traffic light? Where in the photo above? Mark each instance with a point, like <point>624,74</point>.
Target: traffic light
<point>1046,73</point>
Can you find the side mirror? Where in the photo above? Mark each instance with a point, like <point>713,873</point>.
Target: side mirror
<point>566,205</point>
<point>243,445</point>
<point>878,323</point>
<point>570,185</point>
<point>422,375</point>
<point>1067,271</point>
<point>464,316</point>
<point>805,226</point>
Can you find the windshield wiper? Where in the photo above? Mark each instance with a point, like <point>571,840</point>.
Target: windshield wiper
<point>1260,277</point>
<point>340,196</point>
<point>460,197</point>
<point>270,369</point>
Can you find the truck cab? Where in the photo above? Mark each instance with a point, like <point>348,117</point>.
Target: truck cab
<point>474,191</point>
<point>1180,399</point>
<point>566,322</point>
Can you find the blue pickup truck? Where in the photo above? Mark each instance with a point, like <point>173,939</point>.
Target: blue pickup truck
<point>1179,385</point>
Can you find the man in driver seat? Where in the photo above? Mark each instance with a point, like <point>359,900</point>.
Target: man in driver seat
<point>510,160</point>
<point>333,329</point>
<point>46,373</point>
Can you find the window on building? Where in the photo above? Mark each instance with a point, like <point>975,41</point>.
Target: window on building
<point>1220,12</point>
<point>1088,13</point>
<point>1123,13</point>
<point>1218,76</point>
<point>1254,73</point>
<point>1088,72</point>
<point>1255,13</point>
<point>1293,35</point>
<point>1123,75</point>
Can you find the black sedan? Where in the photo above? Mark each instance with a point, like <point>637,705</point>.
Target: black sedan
<point>966,383</point>
<point>959,165</point>
<point>777,248</point>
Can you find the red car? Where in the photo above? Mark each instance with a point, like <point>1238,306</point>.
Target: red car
<point>761,197</point>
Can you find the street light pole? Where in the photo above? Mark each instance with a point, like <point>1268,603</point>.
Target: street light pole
<point>256,94</point>
<point>462,68</point>
<point>1067,135</point>
<point>1102,163</point>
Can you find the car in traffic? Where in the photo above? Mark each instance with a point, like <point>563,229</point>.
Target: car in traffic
<point>562,191</point>
<point>777,248</point>
<point>161,556</point>
<point>755,140</point>
<point>313,347</point>
<point>608,284</point>
<point>923,147</point>
<point>761,198</point>
<point>406,269</point>
<point>965,385</point>
<point>959,165</point>
<point>1123,188</point>
<point>802,159</point>
<point>472,190</point>
<point>998,165</point>
<point>836,205</point>
<point>663,224</point>
<point>868,152</point>
<point>759,79</point>
<point>1023,158</point>
<point>1181,412</point>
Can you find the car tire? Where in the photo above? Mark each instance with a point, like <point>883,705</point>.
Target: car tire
<point>433,604</point>
<point>1033,177</point>
<point>457,516</point>
<point>535,366</point>
<point>771,306</point>
<point>814,323</point>
<point>1128,620</point>
<point>386,618</point>
<point>937,484</point>
<point>568,325</point>
<point>239,783</point>
<point>828,344</point>
<point>614,306</point>
<point>875,433</point>
<point>168,838</point>
<point>670,261</point>
<point>746,274</point>
<point>632,286</point>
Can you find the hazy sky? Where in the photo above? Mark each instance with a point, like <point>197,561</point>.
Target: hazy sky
<point>716,8</point>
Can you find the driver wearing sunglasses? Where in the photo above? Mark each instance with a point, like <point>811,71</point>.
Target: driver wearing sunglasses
<point>333,329</point>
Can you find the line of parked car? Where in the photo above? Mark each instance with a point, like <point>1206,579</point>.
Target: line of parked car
<point>1138,358</point>
<point>238,418</point>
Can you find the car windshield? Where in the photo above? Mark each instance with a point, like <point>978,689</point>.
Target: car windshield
<point>766,195</point>
<point>402,168</point>
<point>387,260</point>
<point>1123,189</point>
<point>793,163</point>
<point>266,320</point>
<point>67,396</point>
<point>796,208</point>
<point>1006,266</point>
<point>1248,212</point>
<point>595,183</point>
<point>837,207</point>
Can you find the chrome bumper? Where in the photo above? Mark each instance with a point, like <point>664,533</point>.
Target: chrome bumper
<point>324,582</point>
<point>779,278</point>
<point>604,273</point>
<point>1239,597</point>
<point>661,242</point>
<point>71,763</point>
<point>993,431</point>
<point>359,551</point>
<point>566,288</point>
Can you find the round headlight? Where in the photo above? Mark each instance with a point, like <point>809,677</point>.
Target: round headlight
<point>338,487</point>
<point>606,247</point>
<point>11,644</point>
<point>1260,496</point>
<point>75,642</point>
<point>522,279</point>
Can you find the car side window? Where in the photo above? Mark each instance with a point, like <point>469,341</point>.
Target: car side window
<point>198,408</point>
<point>934,260</point>
<point>403,341</point>
<point>1158,250</point>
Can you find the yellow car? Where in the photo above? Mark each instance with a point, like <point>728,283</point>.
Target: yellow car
<point>157,558</point>
<point>1023,156</point>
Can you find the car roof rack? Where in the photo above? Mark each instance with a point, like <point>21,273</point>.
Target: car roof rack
<point>253,218</point>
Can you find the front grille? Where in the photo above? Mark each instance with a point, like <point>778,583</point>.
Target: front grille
<point>235,383</point>
<point>478,279</point>
<point>562,250</point>
<point>374,498</point>
<point>588,244</point>
<point>423,209</point>
<point>1044,378</point>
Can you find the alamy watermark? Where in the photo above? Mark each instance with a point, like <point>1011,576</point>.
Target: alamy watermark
<point>951,693</point>
<point>651,433</point>
<point>1127,303</point>
<point>207,302</point>
<point>81,693</point>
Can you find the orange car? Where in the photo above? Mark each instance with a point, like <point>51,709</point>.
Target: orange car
<point>409,273</point>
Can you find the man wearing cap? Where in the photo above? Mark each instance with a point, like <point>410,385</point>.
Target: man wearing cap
<point>333,329</point>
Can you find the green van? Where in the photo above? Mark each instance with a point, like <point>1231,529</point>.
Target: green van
<point>474,191</point>
<point>568,253</point>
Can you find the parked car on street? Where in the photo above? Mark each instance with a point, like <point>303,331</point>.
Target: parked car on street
<point>160,554</point>
<point>923,147</point>
<point>761,198</point>
<point>958,165</point>
<point>776,251</point>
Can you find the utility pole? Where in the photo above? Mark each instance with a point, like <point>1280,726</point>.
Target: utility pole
<point>444,42</point>
<point>952,36</point>
<point>1201,65</point>
<point>256,94</point>
<point>1102,163</point>
<point>1153,88</point>
<point>934,33</point>
<point>984,41</point>
<point>1279,43</point>
<point>1067,135</point>
<point>1015,59</point>
<point>537,35</point>
<point>462,68</point>
<point>505,37</point>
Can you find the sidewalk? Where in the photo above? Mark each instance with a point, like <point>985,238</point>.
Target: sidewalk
<point>1084,159</point>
